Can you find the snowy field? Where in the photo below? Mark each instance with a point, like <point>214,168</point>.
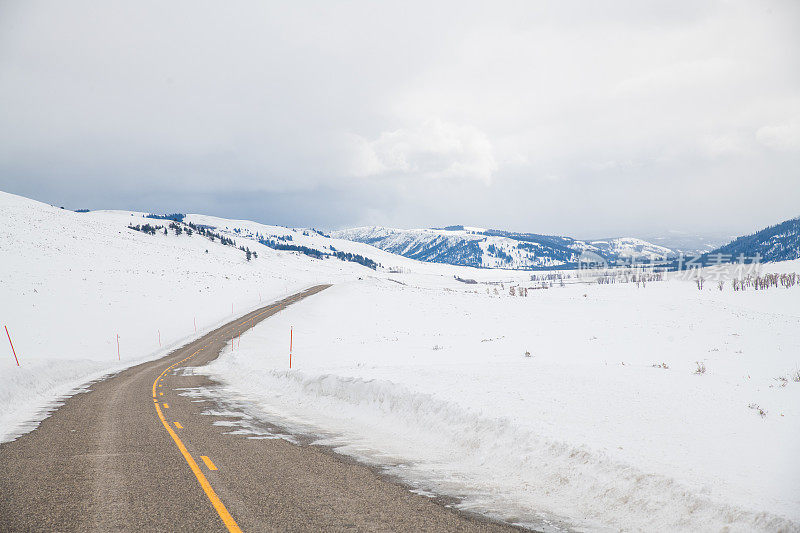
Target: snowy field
<point>433,384</point>
<point>71,282</point>
<point>408,368</point>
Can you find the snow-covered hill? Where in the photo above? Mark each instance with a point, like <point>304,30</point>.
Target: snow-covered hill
<point>477,247</point>
<point>632,248</point>
<point>421,367</point>
<point>71,282</point>
<point>780,242</point>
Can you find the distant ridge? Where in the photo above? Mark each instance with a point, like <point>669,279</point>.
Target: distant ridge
<point>486,248</point>
<point>780,242</point>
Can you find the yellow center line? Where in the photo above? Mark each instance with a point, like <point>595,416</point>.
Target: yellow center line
<point>166,406</point>
<point>226,517</point>
<point>209,464</point>
<point>222,511</point>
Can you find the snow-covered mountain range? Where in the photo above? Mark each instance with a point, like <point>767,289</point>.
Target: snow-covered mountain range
<point>478,247</point>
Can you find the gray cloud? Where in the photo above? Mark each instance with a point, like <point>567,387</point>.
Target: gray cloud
<point>566,117</point>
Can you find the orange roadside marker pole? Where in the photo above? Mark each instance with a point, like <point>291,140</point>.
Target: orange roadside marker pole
<point>291,338</point>
<point>12,345</point>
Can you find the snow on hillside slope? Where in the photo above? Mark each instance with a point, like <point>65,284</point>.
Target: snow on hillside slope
<point>408,367</point>
<point>245,229</point>
<point>587,433</point>
<point>71,282</point>
<point>465,247</point>
<point>780,242</point>
<point>478,247</point>
<point>633,248</point>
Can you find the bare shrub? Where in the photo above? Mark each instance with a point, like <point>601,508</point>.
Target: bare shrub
<point>701,367</point>
<point>766,281</point>
<point>527,353</point>
<point>665,366</point>
<point>796,376</point>
<point>782,380</point>
<point>761,412</point>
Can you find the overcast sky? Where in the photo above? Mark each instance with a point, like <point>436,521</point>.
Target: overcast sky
<point>589,119</point>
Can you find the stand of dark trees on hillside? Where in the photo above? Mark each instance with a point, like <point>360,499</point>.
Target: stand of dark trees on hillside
<point>177,217</point>
<point>180,228</point>
<point>317,254</point>
<point>280,243</point>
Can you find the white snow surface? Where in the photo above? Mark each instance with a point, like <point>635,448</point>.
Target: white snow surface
<point>431,383</point>
<point>411,241</point>
<point>71,282</point>
<point>407,368</point>
<point>633,248</point>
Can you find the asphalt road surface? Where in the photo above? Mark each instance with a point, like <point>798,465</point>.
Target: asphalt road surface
<point>134,454</point>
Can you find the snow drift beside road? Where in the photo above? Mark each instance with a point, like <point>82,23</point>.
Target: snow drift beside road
<point>434,385</point>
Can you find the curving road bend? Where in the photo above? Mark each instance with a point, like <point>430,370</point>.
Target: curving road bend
<point>133,454</point>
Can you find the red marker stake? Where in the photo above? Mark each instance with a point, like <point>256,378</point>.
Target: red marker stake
<point>195,324</point>
<point>12,345</point>
<point>291,336</point>
<point>118,356</point>
<point>159,338</point>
